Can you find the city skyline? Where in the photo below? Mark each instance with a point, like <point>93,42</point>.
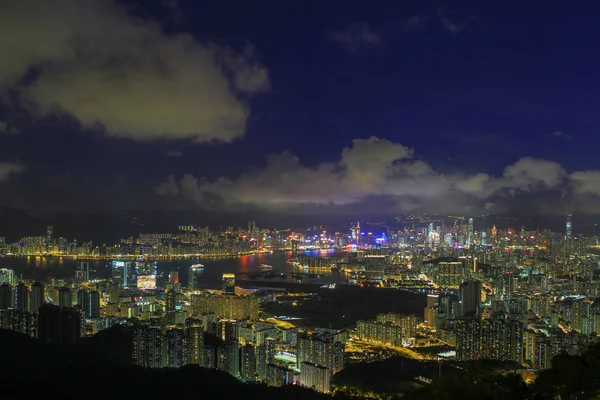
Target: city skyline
<point>298,110</point>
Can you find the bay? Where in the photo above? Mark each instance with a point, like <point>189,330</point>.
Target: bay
<point>46,268</point>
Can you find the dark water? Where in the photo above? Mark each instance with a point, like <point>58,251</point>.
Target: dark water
<point>44,268</point>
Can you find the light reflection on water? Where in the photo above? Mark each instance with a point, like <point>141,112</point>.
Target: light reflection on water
<point>43,268</point>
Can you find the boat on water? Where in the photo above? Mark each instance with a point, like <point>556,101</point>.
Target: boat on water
<point>197,266</point>
<point>265,267</point>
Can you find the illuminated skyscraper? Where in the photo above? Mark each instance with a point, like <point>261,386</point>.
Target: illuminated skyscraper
<point>149,347</point>
<point>83,273</point>
<point>194,342</point>
<point>569,228</point>
<point>323,349</point>
<point>89,303</point>
<point>21,297</point>
<point>248,363</point>
<point>194,276</point>
<point>170,300</point>
<point>175,348</point>
<point>468,339</point>
<point>94,305</point>
<point>470,233</point>
<point>7,276</point>
<point>315,376</point>
<point>228,283</point>
<point>120,273</point>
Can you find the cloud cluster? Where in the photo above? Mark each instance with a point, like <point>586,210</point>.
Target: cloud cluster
<point>356,37</point>
<point>96,61</point>
<point>377,169</point>
<point>10,168</point>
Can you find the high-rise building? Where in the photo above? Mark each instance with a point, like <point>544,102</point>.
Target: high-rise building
<point>470,298</point>
<point>83,273</point>
<point>225,306</point>
<point>321,349</point>
<point>470,233</point>
<point>248,363</point>
<point>170,300</point>
<point>569,227</point>
<point>36,297</point>
<point>503,340</point>
<point>194,342</point>
<point>149,347</point>
<point>195,272</point>
<point>65,297</point>
<point>315,376</point>
<point>7,276</point>
<point>120,271</point>
<point>83,300</point>
<point>58,325</point>
<point>468,339</point>
<point>94,305</point>
<point>21,297</point>
<point>17,320</point>
<point>6,296</point>
<point>228,283</point>
<point>278,375</point>
<point>176,348</point>
<point>449,274</point>
<point>113,293</point>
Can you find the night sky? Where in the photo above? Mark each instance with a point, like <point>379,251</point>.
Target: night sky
<point>319,107</point>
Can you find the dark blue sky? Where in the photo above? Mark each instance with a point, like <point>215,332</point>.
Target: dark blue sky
<point>469,87</point>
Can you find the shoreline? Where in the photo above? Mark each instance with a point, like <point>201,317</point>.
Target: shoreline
<point>138,257</point>
<point>150,257</point>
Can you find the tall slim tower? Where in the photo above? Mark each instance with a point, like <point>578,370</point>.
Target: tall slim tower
<point>194,275</point>
<point>470,233</point>
<point>569,228</point>
<point>21,297</point>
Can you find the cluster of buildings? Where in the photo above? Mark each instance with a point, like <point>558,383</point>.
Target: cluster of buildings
<point>174,323</point>
<point>519,296</point>
<point>526,297</point>
<point>389,329</point>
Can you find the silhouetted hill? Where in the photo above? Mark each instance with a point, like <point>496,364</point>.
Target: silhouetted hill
<point>34,370</point>
<point>113,345</point>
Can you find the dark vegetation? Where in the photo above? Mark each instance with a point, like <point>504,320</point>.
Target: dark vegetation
<point>342,307</point>
<point>99,368</point>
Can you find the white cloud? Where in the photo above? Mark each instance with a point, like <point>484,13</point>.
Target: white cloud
<point>377,168</point>
<point>103,66</point>
<point>586,182</point>
<point>356,37</point>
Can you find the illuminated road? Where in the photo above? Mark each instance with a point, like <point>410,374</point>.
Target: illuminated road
<point>359,346</point>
